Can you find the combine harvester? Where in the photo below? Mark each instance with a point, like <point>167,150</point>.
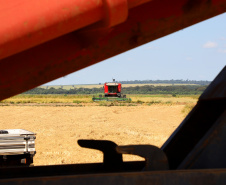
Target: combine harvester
<point>112,92</point>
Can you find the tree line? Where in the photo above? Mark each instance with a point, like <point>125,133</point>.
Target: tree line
<point>146,89</point>
<point>199,82</point>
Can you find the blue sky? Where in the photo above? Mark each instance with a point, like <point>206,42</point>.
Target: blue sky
<point>195,53</point>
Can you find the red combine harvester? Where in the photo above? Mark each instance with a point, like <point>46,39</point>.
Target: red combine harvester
<point>112,92</point>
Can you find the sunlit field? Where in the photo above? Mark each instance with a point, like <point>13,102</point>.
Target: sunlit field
<point>60,120</point>
<point>87,99</point>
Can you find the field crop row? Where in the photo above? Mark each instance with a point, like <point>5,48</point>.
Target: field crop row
<point>86,100</point>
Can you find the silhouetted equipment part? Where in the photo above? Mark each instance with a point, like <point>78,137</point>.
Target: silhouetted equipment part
<point>199,124</point>
<point>155,158</point>
<point>112,159</point>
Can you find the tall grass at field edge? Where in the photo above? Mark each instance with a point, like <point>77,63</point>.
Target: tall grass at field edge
<point>78,99</point>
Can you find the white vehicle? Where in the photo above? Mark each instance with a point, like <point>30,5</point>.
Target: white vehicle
<point>17,147</point>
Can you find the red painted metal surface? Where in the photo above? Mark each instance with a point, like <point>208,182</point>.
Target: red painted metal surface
<point>25,23</point>
<point>56,50</point>
<point>119,87</point>
<point>106,87</point>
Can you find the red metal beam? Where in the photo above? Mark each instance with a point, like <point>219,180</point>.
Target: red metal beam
<point>25,23</point>
<point>59,56</point>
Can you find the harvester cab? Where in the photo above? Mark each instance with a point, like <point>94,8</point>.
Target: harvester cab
<point>112,90</point>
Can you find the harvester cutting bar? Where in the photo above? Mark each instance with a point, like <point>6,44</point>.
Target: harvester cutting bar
<point>111,99</point>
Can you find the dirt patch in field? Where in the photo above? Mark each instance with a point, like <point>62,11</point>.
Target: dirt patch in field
<point>59,128</point>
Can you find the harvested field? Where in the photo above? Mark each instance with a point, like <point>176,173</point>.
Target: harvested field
<point>59,127</point>
<point>87,99</point>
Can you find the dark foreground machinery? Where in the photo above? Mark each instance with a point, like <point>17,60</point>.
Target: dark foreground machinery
<point>44,40</point>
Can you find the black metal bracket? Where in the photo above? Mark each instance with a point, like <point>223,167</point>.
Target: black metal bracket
<point>112,159</point>
<point>155,158</point>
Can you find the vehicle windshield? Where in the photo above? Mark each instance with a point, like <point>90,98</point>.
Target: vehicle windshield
<point>112,89</point>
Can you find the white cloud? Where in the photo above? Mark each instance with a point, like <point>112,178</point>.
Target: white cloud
<point>188,58</point>
<point>222,38</point>
<point>222,50</point>
<point>210,44</point>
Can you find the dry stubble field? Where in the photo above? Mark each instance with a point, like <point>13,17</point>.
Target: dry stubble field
<point>59,127</point>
